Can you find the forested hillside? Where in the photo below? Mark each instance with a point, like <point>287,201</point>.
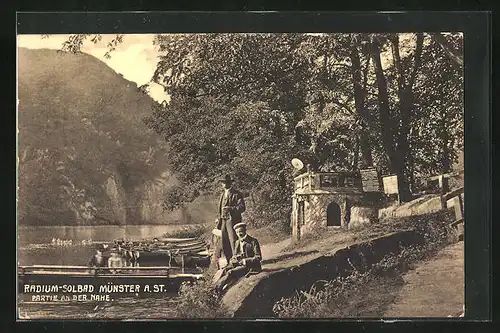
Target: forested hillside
<point>246,104</point>
<point>85,155</point>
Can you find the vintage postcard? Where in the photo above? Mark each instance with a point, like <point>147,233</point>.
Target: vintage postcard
<point>240,175</point>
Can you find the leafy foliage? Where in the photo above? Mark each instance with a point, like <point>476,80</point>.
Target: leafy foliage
<point>274,97</point>
<point>199,299</point>
<point>248,103</point>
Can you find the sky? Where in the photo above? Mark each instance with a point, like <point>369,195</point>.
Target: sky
<point>135,58</point>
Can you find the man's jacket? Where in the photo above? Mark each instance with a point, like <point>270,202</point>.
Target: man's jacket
<point>96,262</point>
<point>251,252</point>
<point>236,205</point>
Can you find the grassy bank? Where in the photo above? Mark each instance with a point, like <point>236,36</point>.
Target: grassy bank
<point>198,299</point>
<point>347,296</point>
<point>188,231</point>
<point>265,235</point>
<point>343,297</point>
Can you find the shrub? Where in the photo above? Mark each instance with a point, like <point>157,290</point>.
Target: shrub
<point>271,233</point>
<point>188,231</point>
<point>199,300</point>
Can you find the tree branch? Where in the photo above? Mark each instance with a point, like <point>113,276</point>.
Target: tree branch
<point>418,60</point>
<point>365,75</point>
<point>383,103</point>
<point>455,56</point>
<point>396,58</point>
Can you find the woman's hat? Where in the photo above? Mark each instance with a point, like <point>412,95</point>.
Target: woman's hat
<point>239,225</point>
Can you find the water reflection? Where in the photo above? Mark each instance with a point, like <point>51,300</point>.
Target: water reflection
<point>123,308</point>
<point>45,234</point>
<point>39,246</point>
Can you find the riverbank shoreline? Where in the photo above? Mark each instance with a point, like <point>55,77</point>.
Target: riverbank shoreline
<point>286,257</point>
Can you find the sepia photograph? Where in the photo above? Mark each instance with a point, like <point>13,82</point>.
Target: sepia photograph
<point>240,175</point>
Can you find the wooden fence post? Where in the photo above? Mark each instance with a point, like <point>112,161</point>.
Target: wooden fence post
<point>444,204</point>
<point>182,258</point>
<point>461,203</point>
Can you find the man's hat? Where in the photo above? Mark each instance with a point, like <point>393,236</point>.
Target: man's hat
<point>238,225</point>
<point>226,179</point>
<point>114,250</point>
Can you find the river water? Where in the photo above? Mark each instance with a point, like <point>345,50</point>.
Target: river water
<point>35,247</point>
<point>35,243</point>
<point>44,234</point>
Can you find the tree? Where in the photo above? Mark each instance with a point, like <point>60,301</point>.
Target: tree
<point>439,103</point>
<point>395,123</point>
<point>248,103</point>
<point>242,94</point>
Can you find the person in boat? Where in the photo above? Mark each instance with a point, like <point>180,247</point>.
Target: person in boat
<point>122,253</point>
<point>115,261</point>
<point>245,261</point>
<point>230,208</point>
<point>98,260</point>
<point>134,260</point>
<point>130,254</point>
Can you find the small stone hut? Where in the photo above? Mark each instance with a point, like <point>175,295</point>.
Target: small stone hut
<point>329,200</point>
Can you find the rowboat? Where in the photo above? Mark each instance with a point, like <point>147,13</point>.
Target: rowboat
<point>59,279</point>
<point>200,259</point>
<point>191,251</point>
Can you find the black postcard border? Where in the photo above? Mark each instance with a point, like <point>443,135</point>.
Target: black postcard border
<point>478,170</point>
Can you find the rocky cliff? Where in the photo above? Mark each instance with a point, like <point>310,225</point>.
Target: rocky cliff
<point>85,156</point>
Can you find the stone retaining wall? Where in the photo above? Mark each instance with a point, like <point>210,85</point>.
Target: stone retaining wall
<point>258,300</point>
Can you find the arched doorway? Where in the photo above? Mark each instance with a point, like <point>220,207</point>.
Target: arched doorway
<point>333,215</point>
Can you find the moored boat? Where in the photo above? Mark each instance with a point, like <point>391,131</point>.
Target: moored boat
<point>191,252</point>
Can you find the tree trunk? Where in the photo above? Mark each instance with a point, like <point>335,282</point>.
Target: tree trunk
<point>359,101</point>
<point>383,104</point>
<point>355,161</point>
<point>445,149</point>
<point>366,152</point>
<point>403,147</point>
<point>411,173</point>
<point>396,153</point>
<point>406,107</point>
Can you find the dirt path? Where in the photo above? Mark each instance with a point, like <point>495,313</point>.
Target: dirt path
<point>272,250</point>
<point>434,289</point>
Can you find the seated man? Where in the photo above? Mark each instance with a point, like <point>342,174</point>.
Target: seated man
<point>246,259</point>
<point>115,261</point>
